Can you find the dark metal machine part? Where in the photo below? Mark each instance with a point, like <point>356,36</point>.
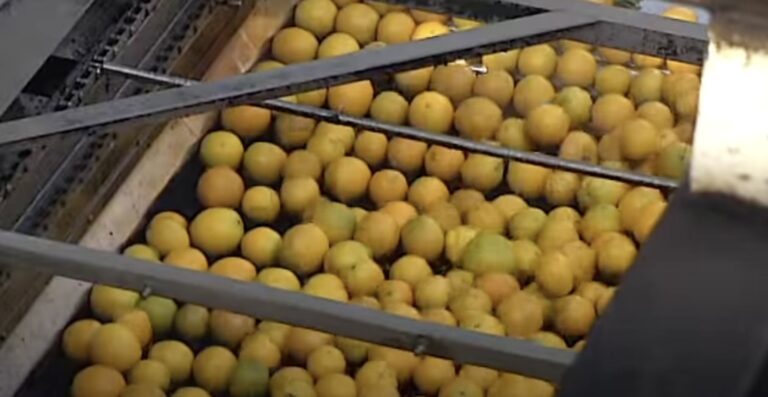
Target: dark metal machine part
<point>413,133</point>
<point>52,21</point>
<point>60,181</point>
<point>689,319</point>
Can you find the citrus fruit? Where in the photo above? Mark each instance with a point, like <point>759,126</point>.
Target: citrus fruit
<point>347,178</point>
<point>387,185</point>
<point>483,377</point>
<point>114,345</point>
<point>161,312</point>
<point>485,217</point>
<point>176,356</point>
<point>445,214</point>
<point>379,232</point>
<point>431,373</point>
<point>600,191</point>
<point>143,252</point>
<point>431,111</point>
<point>302,342</point>
<point>375,374</point>
<point>336,220</point>
<point>108,302</point>
<point>442,162</point>
<point>414,81</point>
<point>293,131</point>
<point>576,67</point>
<point>426,191</point>
<point>460,387</point>
<point>151,372</point>
<point>527,256</point>
<point>394,291</point>
<point>505,60</point>
<point>363,278</point>
<point>531,92</point>
<point>406,155</point>
<point>294,45</point>
<point>250,379</point>
<point>646,86</point>
<point>488,253</point>
<point>337,44</point>
<point>258,347</point>
<point>482,172</point>
<point>316,16</point>
<point>410,268</point>
<point>263,162</point>
<point>521,315</point>
<point>302,163</point>
<point>142,390</point>
<point>352,98</point>
<point>477,118</point>
<point>303,248</point>
<point>217,231</point>
<point>600,218</point>
<point>326,285</point>
<point>610,111</point>
<point>213,367</point>
<point>335,385</point>
<point>634,201</point>
<point>138,322</point>
<point>583,260</point>
<point>221,148</point>
<point>97,381</point>
<point>555,234</point>
<point>591,290</point>
<point>539,60</point>
<point>509,205</point>
<point>561,187</point>
<point>497,286</point>
<point>297,194</point>
<point>527,223</point>
<point>555,275</point>
<point>187,258</point>
<point>549,339</point>
<point>432,292</point>
<point>615,256</point>
<point>673,160</point>
<point>246,121</point>
<point>371,147</point>
<point>165,235</point>
<point>639,139</point>
<point>496,85</point>
<point>77,338</point>
<point>466,200</point>
<point>395,27</point>
<point>511,134</point>
<point>191,322</point>
<point>343,255</point>
<point>220,187</point>
<point>527,180</point>
<point>574,316</point>
<point>613,79</point>
<point>455,81</point>
<point>577,104</point>
<point>428,29</point>
<point>423,236</point>
<point>547,125</point>
<point>390,107</point>
<point>359,20</point>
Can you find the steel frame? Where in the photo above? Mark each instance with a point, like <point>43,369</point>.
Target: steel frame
<point>537,21</point>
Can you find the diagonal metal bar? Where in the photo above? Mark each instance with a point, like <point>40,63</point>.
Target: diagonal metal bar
<point>414,133</point>
<point>263,302</point>
<point>298,78</point>
<point>617,27</point>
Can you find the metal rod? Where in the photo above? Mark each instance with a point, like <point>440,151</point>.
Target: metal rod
<point>413,133</point>
<point>267,303</point>
<point>298,78</point>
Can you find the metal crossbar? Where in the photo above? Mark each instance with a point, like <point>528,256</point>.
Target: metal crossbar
<point>267,303</point>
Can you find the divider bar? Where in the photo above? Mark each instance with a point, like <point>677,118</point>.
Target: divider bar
<point>298,78</point>
<point>267,303</point>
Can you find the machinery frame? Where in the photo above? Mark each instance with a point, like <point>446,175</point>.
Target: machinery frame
<point>525,22</point>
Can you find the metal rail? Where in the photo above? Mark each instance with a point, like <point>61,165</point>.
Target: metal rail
<point>413,133</point>
<point>299,78</point>
<point>267,303</point>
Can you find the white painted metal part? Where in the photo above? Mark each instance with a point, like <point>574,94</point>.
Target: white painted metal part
<point>730,151</point>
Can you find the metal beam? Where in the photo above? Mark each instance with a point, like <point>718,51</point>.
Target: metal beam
<point>414,133</point>
<point>267,303</point>
<point>298,78</point>
<point>30,30</point>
